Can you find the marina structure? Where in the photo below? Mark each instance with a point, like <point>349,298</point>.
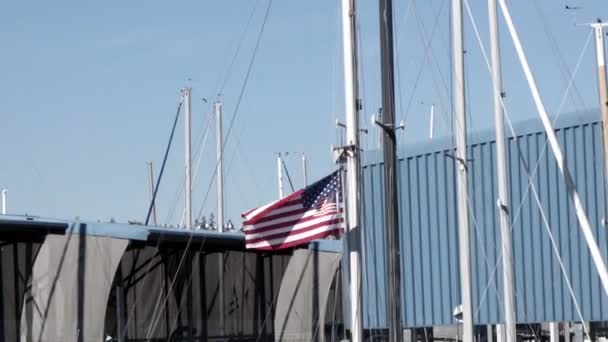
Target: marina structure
<point>495,235</point>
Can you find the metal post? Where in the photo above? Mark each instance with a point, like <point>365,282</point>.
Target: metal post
<point>579,332</point>
<point>501,162</point>
<point>500,333</point>
<point>217,107</point>
<point>280,174</point>
<point>151,186</point>
<point>557,152</point>
<point>462,172</point>
<point>353,167</point>
<point>220,169</point>
<point>188,183</point>
<point>390,174</point>
<point>120,310</point>
<point>304,170</point>
<point>4,199</point>
<point>432,125</point>
<point>554,332</point>
<point>601,84</point>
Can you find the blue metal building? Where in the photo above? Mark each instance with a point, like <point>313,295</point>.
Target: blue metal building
<point>429,242</point>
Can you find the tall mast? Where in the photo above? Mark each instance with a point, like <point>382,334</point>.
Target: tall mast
<point>432,123</point>
<point>601,84</point>
<point>188,183</point>
<point>462,172</point>
<point>353,167</point>
<point>217,107</point>
<point>4,199</point>
<point>304,170</point>
<point>390,174</point>
<point>220,169</point>
<point>151,186</point>
<point>503,196</point>
<point>583,221</point>
<point>280,173</point>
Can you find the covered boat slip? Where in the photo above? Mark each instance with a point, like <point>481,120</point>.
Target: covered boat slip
<point>73,281</point>
<point>428,225</point>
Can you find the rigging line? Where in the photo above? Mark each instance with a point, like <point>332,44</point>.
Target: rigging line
<point>201,143</point>
<point>321,321</point>
<point>237,150</point>
<point>287,173</point>
<point>155,320</point>
<point>190,277</point>
<point>337,286</point>
<point>531,181</point>
<point>481,245</point>
<point>239,99</point>
<point>398,60</point>
<point>423,33</point>
<point>484,254</point>
<point>559,110</point>
<point>427,49</point>
<point>550,233</point>
<point>162,168</point>
<point>201,150</point>
<point>562,62</point>
<point>132,312</point>
<point>146,279</point>
<point>274,299</point>
<point>489,269</point>
<point>559,113</point>
<point>238,49</point>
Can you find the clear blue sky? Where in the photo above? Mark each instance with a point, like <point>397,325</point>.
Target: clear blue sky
<point>88,91</point>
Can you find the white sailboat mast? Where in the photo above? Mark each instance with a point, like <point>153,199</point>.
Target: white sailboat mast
<point>188,156</point>
<point>353,166</point>
<point>602,85</point>
<point>501,166</point>
<point>462,172</point>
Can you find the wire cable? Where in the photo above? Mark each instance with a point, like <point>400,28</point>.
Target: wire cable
<point>427,52</point>
<point>201,143</point>
<point>162,168</point>
<point>288,177</point>
<point>530,177</point>
<point>238,49</point>
<point>238,103</point>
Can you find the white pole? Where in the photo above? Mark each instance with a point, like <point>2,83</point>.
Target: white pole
<point>4,198</point>
<point>567,331</point>
<point>353,171</point>
<point>431,128</point>
<point>280,174</point>
<point>557,152</point>
<point>220,169</point>
<point>554,332</point>
<point>602,85</point>
<point>151,187</point>
<point>500,333</point>
<point>461,160</point>
<point>501,162</point>
<point>220,206</point>
<point>188,182</point>
<point>304,170</point>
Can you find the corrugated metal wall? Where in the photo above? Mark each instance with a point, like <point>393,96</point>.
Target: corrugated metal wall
<point>429,243</point>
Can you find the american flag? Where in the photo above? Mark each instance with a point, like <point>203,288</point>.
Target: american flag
<point>308,214</point>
